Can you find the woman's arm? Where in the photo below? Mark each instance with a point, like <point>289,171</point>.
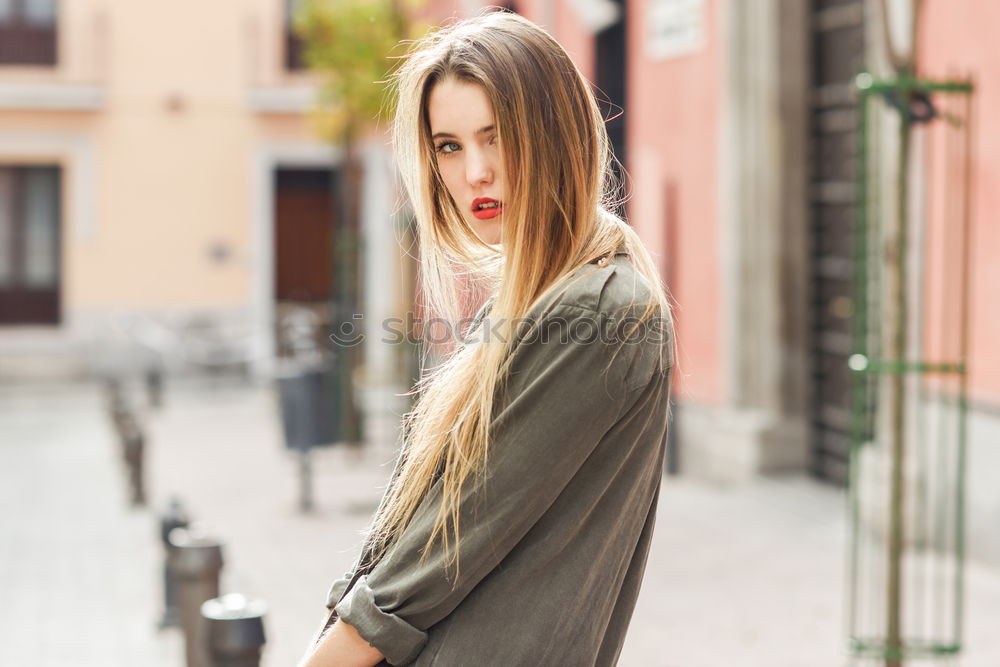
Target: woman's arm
<point>341,646</point>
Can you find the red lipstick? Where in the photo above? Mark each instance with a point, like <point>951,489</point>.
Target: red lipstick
<point>488,212</point>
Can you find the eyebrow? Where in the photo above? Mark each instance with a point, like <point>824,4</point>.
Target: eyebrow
<point>482,130</point>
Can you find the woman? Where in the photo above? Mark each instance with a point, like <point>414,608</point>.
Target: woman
<point>515,528</point>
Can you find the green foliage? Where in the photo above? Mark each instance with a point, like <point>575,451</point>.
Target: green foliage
<point>353,44</point>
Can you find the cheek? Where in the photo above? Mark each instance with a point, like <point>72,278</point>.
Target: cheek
<point>501,171</point>
<point>452,177</point>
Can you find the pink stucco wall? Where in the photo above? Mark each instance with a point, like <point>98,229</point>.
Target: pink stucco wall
<point>957,39</point>
<point>577,41</point>
<point>556,16</point>
<point>673,109</point>
<point>561,20</point>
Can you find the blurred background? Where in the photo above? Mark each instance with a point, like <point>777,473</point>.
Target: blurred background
<point>200,216</point>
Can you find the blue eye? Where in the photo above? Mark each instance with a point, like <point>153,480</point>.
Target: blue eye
<point>440,147</point>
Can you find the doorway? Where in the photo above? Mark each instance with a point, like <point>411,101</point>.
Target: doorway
<point>304,220</point>
<point>610,64</point>
<point>30,244</point>
<point>837,39</point>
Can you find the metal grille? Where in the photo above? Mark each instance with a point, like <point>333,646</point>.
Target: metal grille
<point>28,32</point>
<point>837,28</point>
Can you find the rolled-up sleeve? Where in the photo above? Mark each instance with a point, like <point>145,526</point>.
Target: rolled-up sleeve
<point>337,590</point>
<point>560,400</point>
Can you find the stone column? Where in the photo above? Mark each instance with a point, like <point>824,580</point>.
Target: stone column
<point>761,424</point>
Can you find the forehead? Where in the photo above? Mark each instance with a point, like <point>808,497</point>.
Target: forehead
<point>458,107</point>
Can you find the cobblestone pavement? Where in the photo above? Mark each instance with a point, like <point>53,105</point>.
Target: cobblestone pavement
<point>738,576</point>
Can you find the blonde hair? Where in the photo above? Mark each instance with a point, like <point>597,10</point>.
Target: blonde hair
<point>556,219</point>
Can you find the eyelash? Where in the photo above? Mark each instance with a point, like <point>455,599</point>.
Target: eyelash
<point>440,146</point>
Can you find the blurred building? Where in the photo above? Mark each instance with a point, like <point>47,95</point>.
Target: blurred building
<point>157,159</point>
<point>161,181</point>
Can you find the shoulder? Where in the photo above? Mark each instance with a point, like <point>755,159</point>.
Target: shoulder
<point>596,289</point>
<point>600,308</point>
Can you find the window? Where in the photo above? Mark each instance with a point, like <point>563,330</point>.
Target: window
<point>30,213</point>
<point>28,30</point>
<point>294,46</point>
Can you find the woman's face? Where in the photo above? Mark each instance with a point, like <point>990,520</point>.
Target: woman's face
<point>467,150</point>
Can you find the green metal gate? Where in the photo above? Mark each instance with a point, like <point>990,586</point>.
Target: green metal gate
<point>909,369</point>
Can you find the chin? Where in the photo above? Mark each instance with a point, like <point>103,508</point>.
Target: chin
<point>488,234</point>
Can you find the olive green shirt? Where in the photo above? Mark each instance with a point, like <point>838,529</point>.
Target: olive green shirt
<point>556,534</point>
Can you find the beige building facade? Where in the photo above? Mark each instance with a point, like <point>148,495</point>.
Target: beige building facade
<point>148,153</point>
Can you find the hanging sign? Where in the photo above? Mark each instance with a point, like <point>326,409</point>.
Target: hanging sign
<point>674,28</point>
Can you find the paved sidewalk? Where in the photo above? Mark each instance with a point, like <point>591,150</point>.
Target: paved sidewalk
<point>79,569</point>
<point>749,576</point>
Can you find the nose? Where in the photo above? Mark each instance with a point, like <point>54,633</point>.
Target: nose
<point>479,168</point>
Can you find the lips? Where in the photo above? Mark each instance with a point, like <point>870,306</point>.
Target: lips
<point>489,212</point>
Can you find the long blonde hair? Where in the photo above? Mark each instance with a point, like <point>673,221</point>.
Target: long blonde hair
<point>556,219</point>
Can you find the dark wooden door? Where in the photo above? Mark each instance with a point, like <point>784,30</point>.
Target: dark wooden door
<point>837,57</point>
<point>30,243</point>
<point>304,222</point>
<point>610,66</point>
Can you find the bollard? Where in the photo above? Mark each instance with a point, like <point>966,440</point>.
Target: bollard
<point>113,389</point>
<point>196,561</point>
<point>305,480</point>
<point>118,403</point>
<point>235,630</point>
<point>122,418</point>
<point>134,445</point>
<point>174,517</point>
<point>120,412</point>
<point>154,386</point>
